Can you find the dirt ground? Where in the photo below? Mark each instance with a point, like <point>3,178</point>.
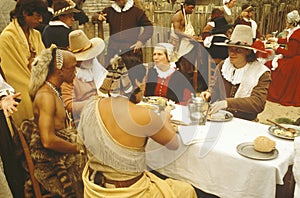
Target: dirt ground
<point>273,111</point>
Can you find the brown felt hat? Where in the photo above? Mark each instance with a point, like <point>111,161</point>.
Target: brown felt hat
<point>62,7</point>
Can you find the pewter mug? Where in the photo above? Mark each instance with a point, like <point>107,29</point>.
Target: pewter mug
<point>198,109</point>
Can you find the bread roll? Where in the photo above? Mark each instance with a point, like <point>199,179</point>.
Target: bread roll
<point>264,144</point>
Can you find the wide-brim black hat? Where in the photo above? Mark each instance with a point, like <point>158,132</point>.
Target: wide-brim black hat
<point>62,7</point>
<point>221,25</point>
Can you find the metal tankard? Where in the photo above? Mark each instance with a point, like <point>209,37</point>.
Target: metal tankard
<point>198,109</point>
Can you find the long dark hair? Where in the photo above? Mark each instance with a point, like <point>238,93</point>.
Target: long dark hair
<point>28,6</point>
<point>251,57</point>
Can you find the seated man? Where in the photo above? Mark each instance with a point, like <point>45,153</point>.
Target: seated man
<point>115,131</point>
<point>241,82</point>
<point>58,164</point>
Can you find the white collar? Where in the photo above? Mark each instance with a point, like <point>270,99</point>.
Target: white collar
<point>91,70</point>
<point>227,10</point>
<point>166,74</point>
<point>233,74</point>
<point>57,22</point>
<point>208,40</point>
<point>129,4</point>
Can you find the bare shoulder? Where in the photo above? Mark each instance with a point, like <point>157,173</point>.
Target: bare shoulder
<point>44,99</point>
<point>141,114</point>
<point>178,16</point>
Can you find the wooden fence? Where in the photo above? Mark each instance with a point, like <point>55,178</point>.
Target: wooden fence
<point>269,18</point>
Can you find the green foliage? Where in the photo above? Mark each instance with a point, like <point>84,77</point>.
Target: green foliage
<point>284,121</point>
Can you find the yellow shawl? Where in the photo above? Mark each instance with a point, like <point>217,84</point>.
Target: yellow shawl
<point>14,54</point>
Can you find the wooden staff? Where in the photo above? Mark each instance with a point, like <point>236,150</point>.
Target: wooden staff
<point>195,76</point>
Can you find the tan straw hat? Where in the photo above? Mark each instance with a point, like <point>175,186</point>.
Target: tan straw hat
<point>82,47</point>
<point>61,7</point>
<point>241,37</point>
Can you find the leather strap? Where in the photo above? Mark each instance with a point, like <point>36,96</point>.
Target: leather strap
<point>99,179</point>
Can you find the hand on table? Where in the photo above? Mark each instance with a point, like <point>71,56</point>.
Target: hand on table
<point>216,106</point>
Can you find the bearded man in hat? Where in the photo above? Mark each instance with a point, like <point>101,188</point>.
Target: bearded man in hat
<point>227,10</point>
<point>125,23</point>
<point>59,28</point>
<point>241,82</point>
<point>90,74</point>
<point>57,160</point>
<point>19,44</point>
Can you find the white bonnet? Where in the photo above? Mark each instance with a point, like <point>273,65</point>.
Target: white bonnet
<point>169,49</point>
<point>226,1</point>
<point>293,17</point>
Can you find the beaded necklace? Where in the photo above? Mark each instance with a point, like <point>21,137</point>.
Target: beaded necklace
<point>69,121</point>
<point>55,90</point>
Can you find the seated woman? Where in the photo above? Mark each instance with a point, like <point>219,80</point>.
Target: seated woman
<point>89,72</point>
<point>242,82</point>
<point>115,131</point>
<point>284,88</point>
<point>164,79</point>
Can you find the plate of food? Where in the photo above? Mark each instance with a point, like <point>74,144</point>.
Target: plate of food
<point>148,106</point>
<point>285,134</point>
<point>220,116</point>
<point>161,102</point>
<point>262,148</point>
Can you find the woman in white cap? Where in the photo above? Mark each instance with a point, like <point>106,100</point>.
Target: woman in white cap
<point>285,88</point>
<point>242,82</point>
<point>164,79</point>
<point>227,9</point>
<point>90,73</point>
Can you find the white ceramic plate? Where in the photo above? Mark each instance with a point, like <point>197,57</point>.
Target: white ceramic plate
<point>246,149</point>
<point>220,116</point>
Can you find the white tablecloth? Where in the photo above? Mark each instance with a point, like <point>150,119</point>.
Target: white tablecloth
<point>213,165</point>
